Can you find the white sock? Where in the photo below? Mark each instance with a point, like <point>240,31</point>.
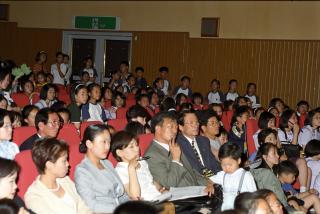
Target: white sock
<point>303,189</point>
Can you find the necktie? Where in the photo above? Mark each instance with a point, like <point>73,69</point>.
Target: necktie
<point>205,171</point>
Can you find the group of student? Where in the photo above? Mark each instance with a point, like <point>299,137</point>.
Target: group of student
<point>191,146</point>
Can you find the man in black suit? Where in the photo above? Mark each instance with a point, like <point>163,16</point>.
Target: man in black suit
<point>196,148</point>
<point>47,123</point>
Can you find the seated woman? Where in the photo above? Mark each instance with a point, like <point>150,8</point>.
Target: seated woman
<point>135,175</point>
<point>9,170</point>
<point>53,191</point>
<point>8,149</point>
<point>96,180</point>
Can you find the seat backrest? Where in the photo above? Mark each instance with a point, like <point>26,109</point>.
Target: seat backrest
<point>302,118</point>
<point>144,142</point>
<point>22,133</point>
<point>28,171</point>
<point>64,97</point>
<point>121,113</point>
<point>75,157</point>
<point>20,99</point>
<point>130,102</point>
<point>131,96</point>
<point>277,121</point>
<point>251,128</point>
<point>69,134</point>
<point>107,104</point>
<point>35,98</point>
<point>226,119</point>
<point>118,124</point>
<point>112,159</point>
<point>85,124</point>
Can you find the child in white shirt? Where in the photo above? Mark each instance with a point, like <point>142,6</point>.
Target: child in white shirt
<point>134,174</point>
<point>233,179</point>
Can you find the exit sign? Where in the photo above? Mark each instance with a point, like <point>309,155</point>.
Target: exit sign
<point>97,22</point>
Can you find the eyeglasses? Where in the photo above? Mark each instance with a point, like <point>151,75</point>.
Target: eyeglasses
<point>54,123</point>
<point>191,123</point>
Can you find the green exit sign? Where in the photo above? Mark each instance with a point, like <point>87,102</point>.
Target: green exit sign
<point>97,22</point>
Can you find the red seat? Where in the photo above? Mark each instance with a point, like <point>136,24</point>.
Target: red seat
<point>20,99</point>
<point>150,111</point>
<point>302,118</point>
<point>277,121</point>
<point>121,113</point>
<point>118,124</point>
<point>69,134</point>
<point>28,171</point>
<point>35,98</point>
<point>252,127</point>
<point>131,96</point>
<point>226,119</point>
<point>64,97</point>
<point>21,134</point>
<point>112,159</point>
<point>144,142</point>
<point>130,102</point>
<point>85,124</point>
<point>157,110</point>
<point>75,157</point>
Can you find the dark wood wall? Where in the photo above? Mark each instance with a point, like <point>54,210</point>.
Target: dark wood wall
<point>285,68</point>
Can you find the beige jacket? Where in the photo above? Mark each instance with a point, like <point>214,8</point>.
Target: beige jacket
<point>41,201</point>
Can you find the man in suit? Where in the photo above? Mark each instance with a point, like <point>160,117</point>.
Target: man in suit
<point>47,123</point>
<point>167,164</point>
<point>195,147</point>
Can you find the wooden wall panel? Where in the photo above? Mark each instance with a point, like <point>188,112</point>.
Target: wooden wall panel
<point>155,49</point>
<point>283,68</point>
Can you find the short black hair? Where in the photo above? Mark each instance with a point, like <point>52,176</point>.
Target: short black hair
<point>136,207</point>
<point>43,116</point>
<point>232,80</point>
<point>185,78</point>
<point>140,96</point>
<point>114,97</point>
<point>120,141</point>
<point>66,55</point>
<point>238,113</point>
<point>8,167</point>
<point>136,111</point>
<point>139,68</point>
<point>264,119</point>
<point>91,86</point>
<point>205,115</point>
<point>158,119</point>
<point>135,128</point>
<point>44,90</point>
<point>8,206</point>
<point>196,95</point>
<point>64,110</point>
<point>274,101</point>
<point>312,148</point>
<point>251,84</point>
<point>164,69</point>
<point>183,114</point>
<point>124,63</point>
<point>303,102</point>
<point>215,80</point>
<point>287,167</point>
<point>229,150</point>
<point>168,103</point>
<point>264,133</point>
<point>59,53</point>
<point>84,73</point>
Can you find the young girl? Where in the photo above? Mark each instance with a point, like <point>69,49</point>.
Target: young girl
<point>88,63</point>
<point>158,86</point>
<point>93,111</point>
<point>118,101</point>
<point>266,120</point>
<point>197,101</point>
<point>264,175</point>
<point>15,118</point>
<point>29,114</point>
<point>79,97</point>
<point>7,149</point>
<point>40,79</point>
<point>40,59</point>
<point>5,76</point>
<point>96,180</point>
<point>278,104</point>
<point>288,134</point>
<point>180,99</point>
<point>251,94</point>
<point>311,129</point>
<point>47,96</point>
<point>154,101</point>
<point>312,153</point>
<point>233,179</point>
<point>237,133</point>
<point>106,95</point>
<point>135,175</point>
<point>27,88</point>
<point>53,191</point>
<point>232,92</point>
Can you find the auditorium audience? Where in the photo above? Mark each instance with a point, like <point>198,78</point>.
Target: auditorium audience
<point>53,191</point>
<point>96,180</point>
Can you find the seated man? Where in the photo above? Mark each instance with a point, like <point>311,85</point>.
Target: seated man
<point>47,123</point>
<point>195,147</point>
<point>168,165</point>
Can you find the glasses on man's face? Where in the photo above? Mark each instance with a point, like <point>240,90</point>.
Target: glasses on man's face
<point>54,123</point>
<point>192,123</point>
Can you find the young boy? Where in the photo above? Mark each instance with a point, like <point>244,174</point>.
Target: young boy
<point>302,107</point>
<point>215,95</point>
<point>287,172</point>
<point>184,87</point>
<point>141,82</point>
<point>233,179</point>
<point>166,84</point>
<point>251,94</point>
